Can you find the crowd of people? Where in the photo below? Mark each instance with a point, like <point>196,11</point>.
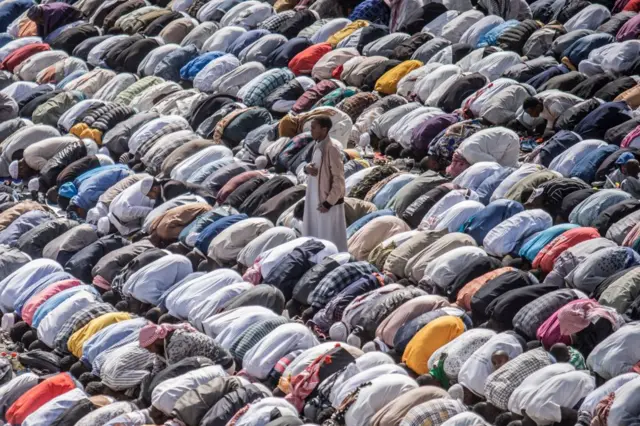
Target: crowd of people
<point>320,212</point>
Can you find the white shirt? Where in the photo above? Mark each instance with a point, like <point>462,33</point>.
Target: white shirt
<point>167,393</point>
<point>563,390</point>
<point>616,354</point>
<point>148,283</point>
<point>51,324</point>
<point>367,375</point>
<point>519,399</point>
<point>129,208</point>
<point>183,299</point>
<point>239,325</point>
<point>478,367</point>
<point>260,360</point>
<point>22,279</point>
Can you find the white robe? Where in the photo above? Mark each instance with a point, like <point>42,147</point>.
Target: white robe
<point>330,226</point>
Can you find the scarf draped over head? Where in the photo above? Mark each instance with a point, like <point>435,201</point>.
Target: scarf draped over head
<point>150,333</point>
<point>458,164</point>
<point>577,315</point>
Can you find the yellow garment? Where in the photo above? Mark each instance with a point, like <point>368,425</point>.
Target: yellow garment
<point>283,5</point>
<point>347,31</point>
<point>388,83</point>
<point>565,61</point>
<point>429,339</point>
<point>352,154</point>
<point>82,130</point>
<point>77,339</point>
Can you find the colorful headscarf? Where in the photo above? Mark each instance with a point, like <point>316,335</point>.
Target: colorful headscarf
<point>150,333</point>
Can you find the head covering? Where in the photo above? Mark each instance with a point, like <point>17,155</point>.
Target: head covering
<point>152,332</point>
<point>13,169</point>
<point>103,225</point>
<point>456,391</point>
<point>34,184</point>
<point>624,158</point>
<point>261,162</point>
<point>146,184</point>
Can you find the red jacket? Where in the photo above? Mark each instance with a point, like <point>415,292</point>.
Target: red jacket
<point>20,55</point>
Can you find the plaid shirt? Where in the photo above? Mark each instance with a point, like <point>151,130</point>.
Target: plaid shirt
<point>533,314</point>
<point>355,105</point>
<point>501,383</point>
<point>270,81</point>
<point>433,413</point>
<point>79,320</point>
<point>273,22</point>
<point>169,128</point>
<point>338,280</point>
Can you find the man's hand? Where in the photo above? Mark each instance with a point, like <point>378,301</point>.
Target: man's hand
<point>322,209</point>
<point>311,169</point>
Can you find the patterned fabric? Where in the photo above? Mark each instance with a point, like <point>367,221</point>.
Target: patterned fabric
<point>576,359</point>
<point>553,192</point>
<point>183,344</point>
<point>532,315</point>
<point>271,81</point>
<point>126,367</point>
<point>79,320</point>
<point>338,280</point>
<point>169,128</point>
<point>433,413</point>
<point>375,11</point>
<point>154,163</point>
<point>283,363</point>
<point>222,124</point>
<point>501,384</point>
<point>355,105</point>
<point>253,335</point>
<point>272,23</point>
<point>444,145</point>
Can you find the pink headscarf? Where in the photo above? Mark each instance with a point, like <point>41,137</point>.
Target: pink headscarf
<point>152,332</point>
<point>458,165</point>
<point>577,315</point>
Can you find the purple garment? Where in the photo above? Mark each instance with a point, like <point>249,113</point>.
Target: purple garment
<point>425,132</point>
<point>51,16</point>
<point>630,30</point>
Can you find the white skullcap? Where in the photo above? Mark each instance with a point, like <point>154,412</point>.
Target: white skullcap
<point>339,332</point>
<point>145,185</point>
<point>34,184</point>
<point>8,321</point>
<point>261,162</point>
<point>456,391</point>
<point>13,169</point>
<point>104,160</point>
<point>104,225</point>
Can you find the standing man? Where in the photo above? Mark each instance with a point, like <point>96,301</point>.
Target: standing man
<point>324,203</point>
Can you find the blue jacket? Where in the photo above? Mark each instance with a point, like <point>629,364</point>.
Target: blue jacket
<point>194,66</point>
<point>11,10</point>
<point>586,168</point>
<point>580,49</point>
<point>532,247</point>
<point>94,186</point>
<point>601,119</point>
<point>490,38</point>
<point>479,225</point>
<point>210,232</point>
<point>245,40</point>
